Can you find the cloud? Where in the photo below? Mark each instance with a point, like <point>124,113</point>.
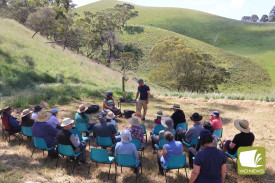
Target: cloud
<point>237,4</point>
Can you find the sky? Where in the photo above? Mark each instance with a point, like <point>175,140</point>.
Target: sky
<point>234,9</point>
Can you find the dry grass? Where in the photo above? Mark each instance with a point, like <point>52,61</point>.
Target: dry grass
<point>17,166</point>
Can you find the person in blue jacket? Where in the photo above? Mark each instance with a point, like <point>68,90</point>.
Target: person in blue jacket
<point>14,124</point>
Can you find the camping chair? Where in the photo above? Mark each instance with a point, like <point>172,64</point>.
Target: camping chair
<point>138,146</point>
<point>218,132</point>
<point>144,131</point>
<point>82,127</point>
<point>127,160</point>
<point>104,142</point>
<point>175,162</point>
<point>157,129</point>
<point>100,156</point>
<point>183,125</point>
<point>26,131</point>
<point>162,142</point>
<point>67,150</point>
<point>232,157</point>
<point>193,142</point>
<point>81,138</point>
<point>6,130</point>
<point>39,143</point>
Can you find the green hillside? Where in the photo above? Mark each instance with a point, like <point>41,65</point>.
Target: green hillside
<point>32,70</point>
<point>255,40</point>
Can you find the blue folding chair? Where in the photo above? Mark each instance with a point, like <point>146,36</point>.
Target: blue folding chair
<point>79,134</point>
<point>39,143</point>
<point>100,156</point>
<point>138,146</point>
<point>232,157</point>
<point>183,125</point>
<point>144,131</point>
<point>157,129</point>
<point>193,142</point>
<point>218,132</point>
<point>175,162</point>
<point>67,150</point>
<point>26,131</point>
<point>82,127</point>
<point>162,142</point>
<point>127,160</point>
<point>104,142</point>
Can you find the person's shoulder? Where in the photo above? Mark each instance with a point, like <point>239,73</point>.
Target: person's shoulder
<point>178,143</point>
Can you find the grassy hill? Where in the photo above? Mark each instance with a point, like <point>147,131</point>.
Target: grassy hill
<point>32,70</point>
<point>255,40</point>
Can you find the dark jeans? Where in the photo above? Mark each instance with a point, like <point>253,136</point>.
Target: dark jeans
<point>180,135</point>
<point>155,140</point>
<point>159,155</point>
<point>90,128</point>
<point>230,151</point>
<point>191,153</point>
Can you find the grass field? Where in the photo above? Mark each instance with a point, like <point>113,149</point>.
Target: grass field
<point>17,166</point>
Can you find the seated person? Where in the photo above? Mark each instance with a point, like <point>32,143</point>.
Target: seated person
<point>245,138</point>
<point>105,129</point>
<point>192,151</point>
<point>173,148</point>
<point>14,124</point>
<point>194,131</point>
<point>215,120</point>
<point>36,110</point>
<point>178,116</point>
<point>136,130</point>
<point>158,115</point>
<point>126,147</point>
<point>53,119</point>
<point>44,130</point>
<point>109,103</point>
<point>26,118</point>
<point>168,124</point>
<point>65,137</point>
<point>209,163</point>
<point>110,116</point>
<point>82,117</point>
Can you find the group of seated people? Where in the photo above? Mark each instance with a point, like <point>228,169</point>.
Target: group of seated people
<point>209,162</point>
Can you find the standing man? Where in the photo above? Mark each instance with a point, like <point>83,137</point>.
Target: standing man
<point>143,101</point>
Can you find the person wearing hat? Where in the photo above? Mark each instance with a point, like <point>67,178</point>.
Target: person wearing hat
<point>158,115</point>
<point>53,119</point>
<point>44,130</point>
<point>109,103</point>
<point>168,124</point>
<point>215,120</point>
<point>209,163</point>
<point>82,117</point>
<point>36,110</point>
<point>136,130</point>
<point>245,138</point>
<point>173,148</point>
<point>178,116</point>
<point>13,122</point>
<point>65,137</point>
<point>144,92</point>
<point>26,119</point>
<point>194,131</point>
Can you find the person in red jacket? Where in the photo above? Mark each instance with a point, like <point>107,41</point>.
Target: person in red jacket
<point>215,120</point>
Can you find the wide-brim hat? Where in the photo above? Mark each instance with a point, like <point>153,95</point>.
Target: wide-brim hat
<point>176,106</point>
<point>196,117</point>
<point>159,113</point>
<point>110,115</point>
<point>37,108</point>
<point>126,136</point>
<point>242,125</point>
<point>167,122</point>
<point>135,121</point>
<point>42,116</point>
<point>82,108</point>
<point>25,113</point>
<point>7,109</point>
<point>137,114</point>
<point>66,122</point>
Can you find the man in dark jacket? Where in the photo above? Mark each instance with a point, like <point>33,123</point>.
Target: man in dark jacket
<point>178,116</point>
<point>14,124</point>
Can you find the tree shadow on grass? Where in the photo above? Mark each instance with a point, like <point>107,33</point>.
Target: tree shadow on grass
<point>232,107</point>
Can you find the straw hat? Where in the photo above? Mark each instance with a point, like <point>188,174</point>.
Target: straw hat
<point>42,116</point>
<point>126,136</point>
<point>176,106</point>
<point>110,115</point>
<point>25,113</point>
<point>66,122</point>
<point>135,121</point>
<point>159,113</point>
<point>242,125</point>
<point>7,109</point>
<point>167,122</point>
<point>137,114</point>
<point>82,108</point>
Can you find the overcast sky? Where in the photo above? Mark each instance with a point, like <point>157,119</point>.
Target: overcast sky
<point>233,9</point>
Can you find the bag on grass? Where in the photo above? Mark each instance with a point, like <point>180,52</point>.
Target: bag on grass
<point>92,109</point>
<point>128,113</point>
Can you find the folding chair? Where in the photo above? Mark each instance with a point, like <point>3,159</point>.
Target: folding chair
<point>100,156</point>
<point>232,157</point>
<point>183,125</point>
<point>162,142</point>
<point>175,162</point>
<point>193,142</point>
<point>67,150</point>
<point>138,146</point>
<point>127,160</point>
<point>218,132</point>
<point>79,134</point>
<point>104,142</point>
<point>6,130</point>
<point>39,143</point>
<point>157,129</point>
<point>144,131</point>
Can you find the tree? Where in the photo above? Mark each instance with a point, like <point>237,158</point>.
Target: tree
<point>124,13</point>
<point>183,68</point>
<point>110,38</point>
<point>127,61</point>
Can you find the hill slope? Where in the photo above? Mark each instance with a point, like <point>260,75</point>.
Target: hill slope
<point>31,70</point>
<point>250,39</point>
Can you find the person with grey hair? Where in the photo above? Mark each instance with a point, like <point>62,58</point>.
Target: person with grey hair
<point>168,123</point>
<point>173,148</point>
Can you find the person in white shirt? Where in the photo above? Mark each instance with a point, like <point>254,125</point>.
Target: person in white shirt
<point>36,110</point>
<point>53,119</point>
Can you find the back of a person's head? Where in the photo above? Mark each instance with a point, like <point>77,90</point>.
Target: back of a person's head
<point>206,137</point>
<point>168,136</point>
